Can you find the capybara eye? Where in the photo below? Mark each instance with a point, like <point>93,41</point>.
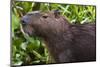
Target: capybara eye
<point>45,16</point>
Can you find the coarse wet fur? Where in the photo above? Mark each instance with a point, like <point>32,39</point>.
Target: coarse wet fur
<point>66,42</point>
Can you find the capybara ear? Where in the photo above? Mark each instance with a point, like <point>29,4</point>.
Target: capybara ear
<point>57,13</point>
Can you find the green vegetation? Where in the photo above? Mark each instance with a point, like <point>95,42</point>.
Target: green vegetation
<point>31,50</point>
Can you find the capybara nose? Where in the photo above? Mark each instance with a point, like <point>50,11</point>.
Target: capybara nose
<point>25,20</point>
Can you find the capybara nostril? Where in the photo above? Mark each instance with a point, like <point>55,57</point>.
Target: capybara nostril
<point>25,20</point>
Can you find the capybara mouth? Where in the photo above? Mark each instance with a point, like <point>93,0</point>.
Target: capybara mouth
<point>27,30</point>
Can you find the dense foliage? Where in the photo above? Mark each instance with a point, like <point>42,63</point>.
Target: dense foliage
<point>31,50</point>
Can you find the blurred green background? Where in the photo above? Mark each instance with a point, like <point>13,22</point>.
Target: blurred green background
<point>32,51</point>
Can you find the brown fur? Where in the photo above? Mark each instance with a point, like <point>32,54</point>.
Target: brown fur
<point>66,42</point>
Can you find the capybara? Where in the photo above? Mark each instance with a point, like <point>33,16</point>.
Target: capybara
<point>66,42</point>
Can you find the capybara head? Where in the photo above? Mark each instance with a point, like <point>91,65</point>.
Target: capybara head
<point>43,24</point>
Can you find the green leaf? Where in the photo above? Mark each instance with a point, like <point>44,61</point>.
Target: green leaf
<point>15,22</point>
